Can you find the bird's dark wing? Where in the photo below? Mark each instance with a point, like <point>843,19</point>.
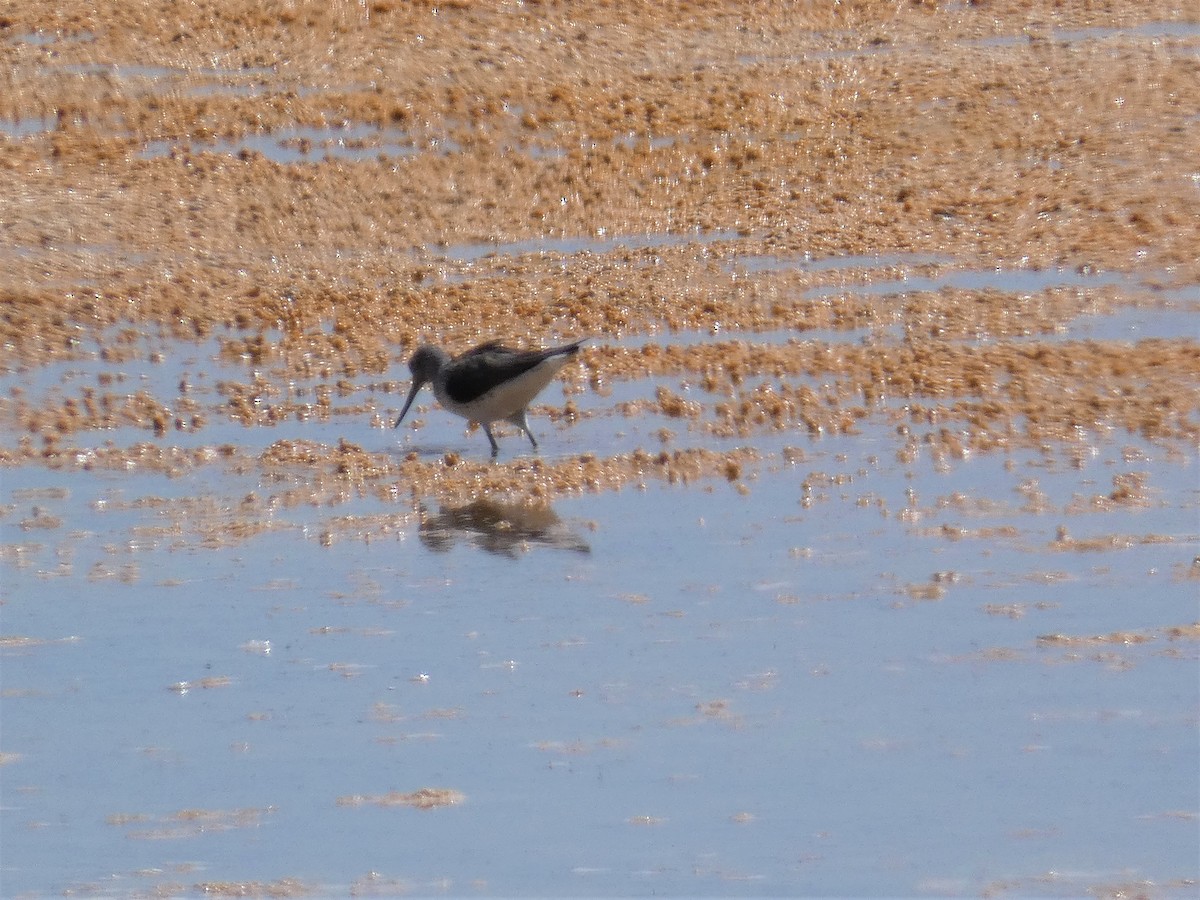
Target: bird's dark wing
<point>482,368</point>
<point>478,371</point>
<point>488,347</point>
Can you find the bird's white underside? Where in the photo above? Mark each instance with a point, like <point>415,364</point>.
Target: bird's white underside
<point>509,397</point>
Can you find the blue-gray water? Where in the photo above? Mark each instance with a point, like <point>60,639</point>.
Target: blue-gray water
<point>670,689</point>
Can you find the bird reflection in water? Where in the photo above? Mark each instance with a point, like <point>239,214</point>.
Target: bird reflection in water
<point>506,529</point>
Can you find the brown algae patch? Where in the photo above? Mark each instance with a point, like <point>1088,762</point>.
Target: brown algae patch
<point>454,480</point>
<point>1064,542</point>
<point>646,821</point>
<point>17,642</point>
<point>425,798</point>
<point>188,823</point>
<point>1016,610</point>
<point>1122,638</point>
<point>280,887</point>
<point>996,396</point>
<point>207,683</point>
<point>757,176</point>
<point>1107,649</point>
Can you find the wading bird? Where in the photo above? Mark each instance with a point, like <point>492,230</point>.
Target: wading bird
<point>488,383</point>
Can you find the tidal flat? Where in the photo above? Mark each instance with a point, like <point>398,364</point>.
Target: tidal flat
<point>861,551</point>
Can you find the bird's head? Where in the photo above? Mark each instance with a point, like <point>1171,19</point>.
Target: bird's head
<point>424,365</point>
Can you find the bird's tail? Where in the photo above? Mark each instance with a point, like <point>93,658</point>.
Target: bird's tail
<point>569,349</point>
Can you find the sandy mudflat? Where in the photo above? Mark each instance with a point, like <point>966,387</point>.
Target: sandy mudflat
<point>321,185</point>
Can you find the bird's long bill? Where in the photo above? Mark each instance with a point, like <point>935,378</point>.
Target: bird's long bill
<point>412,395</point>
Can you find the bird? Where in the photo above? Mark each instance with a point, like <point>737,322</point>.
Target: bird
<point>488,383</point>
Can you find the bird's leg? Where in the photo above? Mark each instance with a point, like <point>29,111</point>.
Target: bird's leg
<point>518,419</point>
<point>487,429</point>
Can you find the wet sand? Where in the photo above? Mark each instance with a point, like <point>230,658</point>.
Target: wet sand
<point>157,187</point>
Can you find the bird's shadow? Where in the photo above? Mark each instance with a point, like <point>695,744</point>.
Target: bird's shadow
<point>504,528</point>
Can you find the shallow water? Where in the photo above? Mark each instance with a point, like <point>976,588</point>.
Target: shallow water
<point>573,245</point>
<point>305,144</point>
<point>843,679</point>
